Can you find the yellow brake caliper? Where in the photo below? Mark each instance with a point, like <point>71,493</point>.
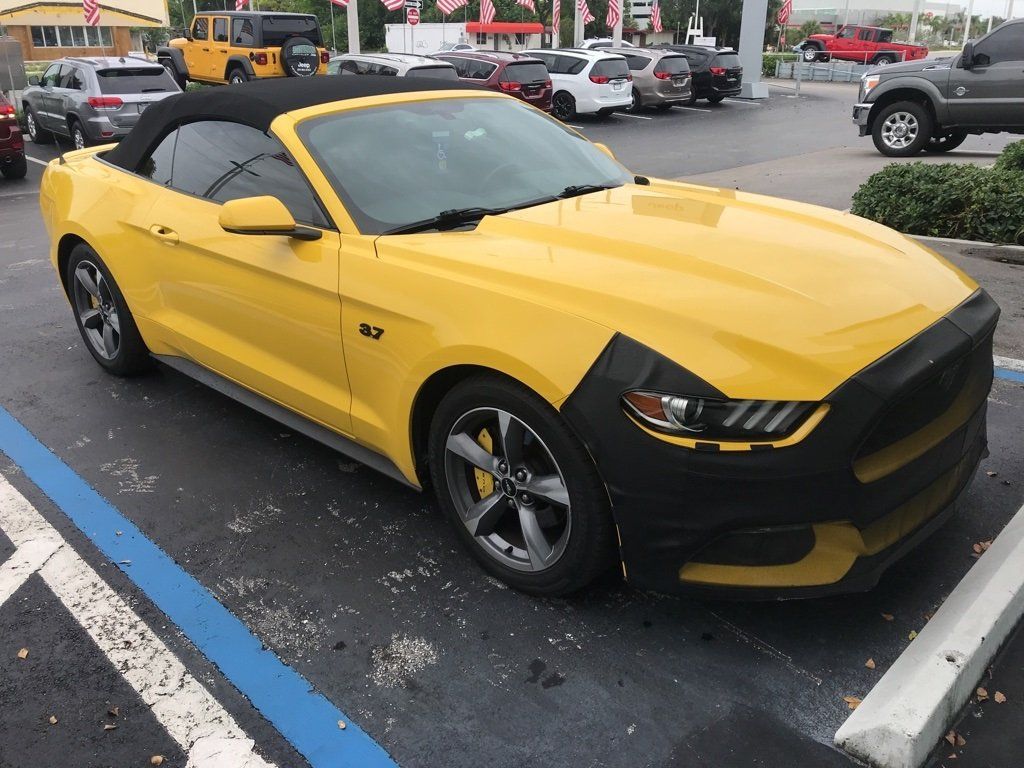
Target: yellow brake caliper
<point>484,480</point>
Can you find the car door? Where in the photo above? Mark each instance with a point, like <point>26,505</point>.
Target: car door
<point>48,101</point>
<point>991,93</point>
<point>197,53</point>
<point>844,42</point>
<point>65,94</point>
<point>261,310</point>
<point>219,46</point>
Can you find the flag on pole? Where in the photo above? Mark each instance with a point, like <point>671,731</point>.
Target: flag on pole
<point>785,11</point>
<point>486,11</point>
<point>340,3</point>
<point>585,11</point>
<point>656,16</point>
<point>528,5</point>
<point>613,13</point>
<point>556,16</point>
<point>240,4</point>
<point>393,5</point>
<point>91,10</point>
<point>448,7</point>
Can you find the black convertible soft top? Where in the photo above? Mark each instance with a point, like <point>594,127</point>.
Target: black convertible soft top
<point>257,104</point>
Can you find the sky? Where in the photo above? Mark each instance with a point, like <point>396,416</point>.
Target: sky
<point>985,8</point>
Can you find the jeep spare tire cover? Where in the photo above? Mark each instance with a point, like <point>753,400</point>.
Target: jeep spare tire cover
<point>300,57</point>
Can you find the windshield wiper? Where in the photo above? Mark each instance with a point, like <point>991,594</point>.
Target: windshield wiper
<point>453,217</point>
<point>575,190</point>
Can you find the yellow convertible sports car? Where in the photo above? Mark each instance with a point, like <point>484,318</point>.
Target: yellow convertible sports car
<point>729,393</point>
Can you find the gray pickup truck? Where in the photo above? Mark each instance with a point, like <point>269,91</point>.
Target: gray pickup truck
<point>934,104</point>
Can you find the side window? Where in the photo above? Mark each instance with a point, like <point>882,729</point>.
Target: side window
<point>885,36</point>
<point>1005,44</point>
<point>242,33</point>
<point>220,30</point>
<point>70,77</point>
<point>575,66</point>
<point>387,71</point>
<point>201,28</point>
<point>333,67</point>
<point>157,167</point>
<point>349,67</point>
<point>224,161</point>
<point>52,76</point>
<point>847,33</point>
<point>637,63</point>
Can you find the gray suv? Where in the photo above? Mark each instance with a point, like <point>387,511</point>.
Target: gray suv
<point>93,100</point>
<point>934,104</point>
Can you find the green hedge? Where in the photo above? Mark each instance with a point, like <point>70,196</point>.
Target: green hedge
<point>768,62</point>
<point>947,200</point>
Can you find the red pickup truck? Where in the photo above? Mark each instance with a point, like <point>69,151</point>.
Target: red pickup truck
<point>865,45</point>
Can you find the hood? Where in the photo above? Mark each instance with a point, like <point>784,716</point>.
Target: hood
<point>762,298</point>
<point>918,65</point>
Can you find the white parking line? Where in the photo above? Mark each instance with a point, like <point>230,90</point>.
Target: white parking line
<point>36,160</point>
<point>192,717</point>
<point>743,101</point>
<point>1008,363</point>
<point>695,109</point>
<point>635,117</point>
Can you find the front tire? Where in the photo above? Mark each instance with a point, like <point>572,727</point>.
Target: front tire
<point>563,106</point>
<point>520,489</point>
<point>809,54</point>
<point>902,129</point>
<point>178,78</point>
<point>945,142</point>
<point>36,132</point>
<point>102,315</point>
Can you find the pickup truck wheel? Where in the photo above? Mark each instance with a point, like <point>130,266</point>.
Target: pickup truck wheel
<point>884,60</point>
<point>809,55</point>
<point>945,142</point>
<point>902,129</point>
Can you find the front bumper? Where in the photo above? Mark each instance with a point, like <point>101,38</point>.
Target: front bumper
<point>861,113</point>
<point>826,514</point>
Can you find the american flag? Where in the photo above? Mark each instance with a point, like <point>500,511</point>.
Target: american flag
<point>91,10</point>
<point>656,17</point>
<point>585,11</point>
<point>342,3</point>
<point>528,5</point>
<point>556,16</point>
<point>785,11</point>
<point>448,7</point>
<point>613,13</point>
<point>486,11</point>
<point>393,5</point>
<point>240,4</point>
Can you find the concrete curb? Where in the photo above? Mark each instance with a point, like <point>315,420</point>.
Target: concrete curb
<point>901,720</point>
<point>973,243</point>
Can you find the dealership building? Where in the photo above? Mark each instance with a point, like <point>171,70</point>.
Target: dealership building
<point>51,30</point>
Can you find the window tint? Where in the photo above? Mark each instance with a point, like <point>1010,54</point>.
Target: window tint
<point>242,32</point>
<point>51,77</point>
<point>333,67</point>
<point>201,28</point>
<point>135,80</point>
<point>727,60</point>
<point>1005,44</point>
<point>673,65</point>
<point>157,167</point>
<point>277,29</point>
<point>636,63</point>
<point>611,68</point>
<point>220,30</point>
<point>439,73</point>
<point>885,36</point>
<point>387,71</point>
<point>71,78</point>
<point>226,161</point>
<point>847,33</point>
<point>526,72</point>
<point>475,70</point>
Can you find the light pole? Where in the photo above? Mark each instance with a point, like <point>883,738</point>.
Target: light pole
<point>353,26</point>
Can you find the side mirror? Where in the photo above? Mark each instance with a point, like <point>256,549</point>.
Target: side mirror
<point>188,35</point>
<point>604,148</point>
<point>967,60</point>
<point>262,216</point>
<point>33,80</point>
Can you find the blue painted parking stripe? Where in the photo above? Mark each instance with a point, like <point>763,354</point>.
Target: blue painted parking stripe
<point>284,697</point>
<point>1004,373</point>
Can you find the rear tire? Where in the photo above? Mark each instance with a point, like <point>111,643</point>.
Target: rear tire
<point>237,75</point>
<point>663,107</point>
<point>16,170</point>
<point>36,132</point>
<point>902,129</point>
<point>106,324</point>
<point>945,142</point>
<point>638,103</point>
<point>715,99</point>
<point>78,136</point>
<point>550,544</point>
<point>884,60</point>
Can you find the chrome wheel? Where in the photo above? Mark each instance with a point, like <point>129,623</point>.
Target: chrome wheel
<point>900,130</point>
<point>78,137</point>
<point>810,54</point>
<point>96,310</point>
<point>33,129</point>
<point>508,490</point>
<point>237,77</point>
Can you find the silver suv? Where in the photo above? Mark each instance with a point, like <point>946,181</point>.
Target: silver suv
<point>393,64</point>
<point>93,100</point>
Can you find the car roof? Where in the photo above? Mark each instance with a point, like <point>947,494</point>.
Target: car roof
<point>495,57</point>
<point>258,103</point>
<point>250,14</point>
<point>394,58</point>
<point>583,53</point>
<point>651,51</point>
<point>108,62</point>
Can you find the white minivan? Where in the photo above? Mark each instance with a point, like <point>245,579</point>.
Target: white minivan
<point>586,81</point>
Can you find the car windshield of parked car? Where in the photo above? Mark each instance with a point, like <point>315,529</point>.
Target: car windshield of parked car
<point>440,73</point>
<point>396,165</point>
<point>135,80</point>
<point>277,29</point>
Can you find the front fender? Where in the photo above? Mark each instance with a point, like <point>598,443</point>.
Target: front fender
<point>921,85</point>
<point>177,57</point>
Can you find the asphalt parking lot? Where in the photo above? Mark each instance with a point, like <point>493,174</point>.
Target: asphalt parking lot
<point>359,587</point>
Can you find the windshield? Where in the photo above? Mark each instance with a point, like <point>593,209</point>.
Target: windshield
<point>277,29</point>
<point>135,80</point>
<point>403,163</point>
<point>441,73</point>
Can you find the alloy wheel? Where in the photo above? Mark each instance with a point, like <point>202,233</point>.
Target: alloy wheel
<point>30,119</point>
<point>507,489</point>
<point>562,106</point>
<point>78,137</point>
<point>96,310</point>
<point>900,130</point>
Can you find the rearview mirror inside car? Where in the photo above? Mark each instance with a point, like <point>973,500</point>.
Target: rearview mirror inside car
<point>967,60</point>
<point>264,215</point>
<point>604,148</point>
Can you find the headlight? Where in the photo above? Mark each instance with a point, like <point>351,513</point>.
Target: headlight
<point>868,82</point>
<point>716,419</point>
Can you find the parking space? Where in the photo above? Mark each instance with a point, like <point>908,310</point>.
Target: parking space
<point>360,588</point>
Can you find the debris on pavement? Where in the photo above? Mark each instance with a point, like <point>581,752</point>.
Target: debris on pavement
<point>23,653</point>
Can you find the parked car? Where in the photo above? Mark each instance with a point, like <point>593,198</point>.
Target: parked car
<point>605,42</point>
<point>661,79</point>
<point>236,46</point>
<point>93,99</point>
<point>13,164</point>
<point>452,47</point>
<point>522,76</point>
<point>933,105</point>
<point>716,72</point>
<point>391,65</point>
<point>585,81</point>
<point>865,45</point>
<point>705,389</point>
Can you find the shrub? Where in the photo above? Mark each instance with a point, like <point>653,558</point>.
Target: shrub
<point>768,62</point>
<point>947,200</point>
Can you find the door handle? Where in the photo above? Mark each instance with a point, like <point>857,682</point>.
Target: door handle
<point>164,234</point>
